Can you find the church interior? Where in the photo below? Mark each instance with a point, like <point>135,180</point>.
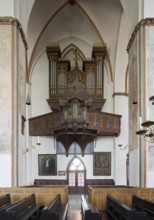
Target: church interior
<point>76,115</point>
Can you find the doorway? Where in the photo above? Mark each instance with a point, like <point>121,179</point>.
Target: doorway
<point>76,174</point>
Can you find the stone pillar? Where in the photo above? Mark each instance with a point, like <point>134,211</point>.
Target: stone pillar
<point>12,99</point>
<point>141,88</point>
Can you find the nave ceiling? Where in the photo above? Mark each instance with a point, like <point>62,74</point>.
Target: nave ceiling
<point>88,22</point>
<point>82,23</point>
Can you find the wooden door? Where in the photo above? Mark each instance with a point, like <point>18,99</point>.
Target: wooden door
<point>76,177</point>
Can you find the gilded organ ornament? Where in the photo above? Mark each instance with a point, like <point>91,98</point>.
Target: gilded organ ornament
<point>76,74</point>
<point>72,75</point>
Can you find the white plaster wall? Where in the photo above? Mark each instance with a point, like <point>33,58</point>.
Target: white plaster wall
<point>40,86</point>
<point>134,168</point>
<point>22,10</point>
<point>121,56</point>
<point>6,8</point>
<point>148,8</point>
<point>5,170</point>
<point>131,10</point>
<point>121,103</point>
<point>120,166</point>
<point>108,91</point>
<point>148,105</point>
<point>22,168</point>
<point>39,93</point>
<point>150,164</point>
<point>21,111</point>
<point>121,108</point>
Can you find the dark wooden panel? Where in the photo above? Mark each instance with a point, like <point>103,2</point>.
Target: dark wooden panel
<point>100,182</point>
<point>50,182</point>
<point>104,124</point>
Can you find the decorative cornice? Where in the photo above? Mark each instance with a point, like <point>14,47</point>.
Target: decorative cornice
<point>99,52</point>
<point>14,21</point>
<point>120,94</point>
<point>143,22</point>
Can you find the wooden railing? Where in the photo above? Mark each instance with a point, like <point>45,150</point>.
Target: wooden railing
<point>97,194</point>
<point>43,194</point>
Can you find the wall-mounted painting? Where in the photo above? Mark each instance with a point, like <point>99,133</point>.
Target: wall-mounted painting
<point>47,164</point>
<point>102,164</point>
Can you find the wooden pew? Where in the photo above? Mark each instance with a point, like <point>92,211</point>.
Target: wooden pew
<point>5,201</point>
<point>143,205</point>
<point>88,211</point>
<point>55,210</point>
<point>120,211</point>
<point>23,209</point>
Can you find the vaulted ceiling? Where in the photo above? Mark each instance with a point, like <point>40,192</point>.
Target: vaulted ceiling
<point>85,22</point>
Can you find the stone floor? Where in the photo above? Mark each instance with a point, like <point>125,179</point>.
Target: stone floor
<point>74,202</point>
<point>74,210</point>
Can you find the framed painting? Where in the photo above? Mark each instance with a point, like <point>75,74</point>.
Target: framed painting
<point>102,164</point>
<point>47,164</point>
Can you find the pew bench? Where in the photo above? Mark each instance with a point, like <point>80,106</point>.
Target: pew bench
<point>89,211</point>
<point>55,210</point>
<point>119,211</point>
<point>23,209</point>
<point>5,201</point>
<point>143,205</point>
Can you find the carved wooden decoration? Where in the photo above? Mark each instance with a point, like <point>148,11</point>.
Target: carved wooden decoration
<point>76,97</point>
<point>80,78</point>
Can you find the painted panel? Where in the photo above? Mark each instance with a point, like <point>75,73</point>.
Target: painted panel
<point>150,69</point>
<point>102,164</point>
<point>133,93</point>
<point>148,104</point>
<point>5,89</point>
<point>21,75</point>
<point>21,110</point>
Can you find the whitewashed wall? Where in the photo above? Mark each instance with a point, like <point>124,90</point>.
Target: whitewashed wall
<point>5,170</point>
<point>148,105</point>
<point>148,9</point>
<point>21,111</point>
<point>120,103</point>
<point>7,8</point>
<point>150,165</point>
<point>134,167</point>
<point>121,108</point>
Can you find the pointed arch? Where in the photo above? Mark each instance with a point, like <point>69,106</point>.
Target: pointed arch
<point>71,47</point>
<point>73,159</point>
<point>47,24</point>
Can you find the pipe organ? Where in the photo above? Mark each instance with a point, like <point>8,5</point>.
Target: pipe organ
<point>84,82</point>
<point>76,97</point>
